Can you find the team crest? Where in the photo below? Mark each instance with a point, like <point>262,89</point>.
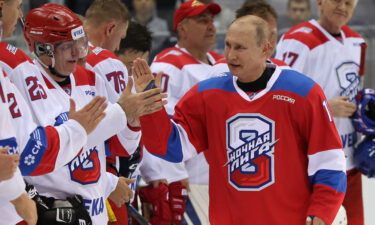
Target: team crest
<point>250,147</point>
<point>347,74</point>
<point>85,167</point>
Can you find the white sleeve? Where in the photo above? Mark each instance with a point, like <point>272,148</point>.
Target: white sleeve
<point>26,86</point>
<point>12,188</point>
<point>111,183</point>
<point>70,136</point>
<point>128,138</point>
<point>113,123</point>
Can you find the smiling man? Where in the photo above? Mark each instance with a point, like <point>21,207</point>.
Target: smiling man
<point>260,128</point>
<point>332,54</point>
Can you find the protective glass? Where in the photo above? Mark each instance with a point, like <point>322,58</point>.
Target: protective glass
<point>70,49</point>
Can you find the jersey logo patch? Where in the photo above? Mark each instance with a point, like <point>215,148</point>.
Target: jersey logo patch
<point>85,167</point>
<point>347,75</point>
<point>250,147</point>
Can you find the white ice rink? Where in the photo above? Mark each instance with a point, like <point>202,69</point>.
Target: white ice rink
<point>369,200</point>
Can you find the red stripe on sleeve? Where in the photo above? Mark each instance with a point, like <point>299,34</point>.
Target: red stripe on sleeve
<point>47,164</point>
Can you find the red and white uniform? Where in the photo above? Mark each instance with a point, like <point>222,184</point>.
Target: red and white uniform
<point>14,187</point>
<point>334,64</point>
<point>42,149</point>
<point>250,146</point>
<point>337,65</point>
<point>86,173</point>
<point>107,65</point>
<point>115,75</point>
<point>181,71</point>
<point>83,173</point>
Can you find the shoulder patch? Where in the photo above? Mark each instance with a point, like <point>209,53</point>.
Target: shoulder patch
<point>175,57</point>
<point>293,81</point>
<point>307,34</point>
<point>12,56</point>
<point>350,33</point>
<point>97,55</point>
<point>223,82</point>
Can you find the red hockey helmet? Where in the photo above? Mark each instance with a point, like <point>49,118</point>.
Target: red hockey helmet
<point>51,24</point>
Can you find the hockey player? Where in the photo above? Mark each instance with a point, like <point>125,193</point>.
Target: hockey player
<point>106,23</point>
<point>12,186</point>
<point>39,147</point>
<point>55,35</point>
<point>333,55</point>
<point>184,65</point>
<point>260,128</point>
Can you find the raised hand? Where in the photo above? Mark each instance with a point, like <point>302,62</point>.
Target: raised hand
<point>139,104</point>
<point>143,76</point>
<point>90,115</point>
<point>8,164</point>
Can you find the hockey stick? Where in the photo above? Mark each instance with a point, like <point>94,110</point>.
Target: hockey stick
<point>135,214</point>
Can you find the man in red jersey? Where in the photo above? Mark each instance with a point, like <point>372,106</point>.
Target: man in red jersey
<point>260,128</point>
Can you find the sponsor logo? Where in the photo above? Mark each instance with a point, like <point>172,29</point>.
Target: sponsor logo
<point>284,98</point>
<point>77,33</point>
<point>29,160</point>
<point>91,93</point>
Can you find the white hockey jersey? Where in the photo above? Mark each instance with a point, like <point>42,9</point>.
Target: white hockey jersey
<point>115,75</point>
<point>336,65</point>
<point>41,149</point>
<point>181,71</point>
<point>14,187</point>
<point>85,174</point>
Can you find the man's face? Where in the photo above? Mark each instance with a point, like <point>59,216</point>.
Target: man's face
<point>336,12</point>
<point>298,12</point>
<point>67,55</point>
<point>199,31</point>
<point>130,55</point>
<point>143,6</point>
<point>242,52</point>
<point>119,32</point>
<point>12,11</point>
